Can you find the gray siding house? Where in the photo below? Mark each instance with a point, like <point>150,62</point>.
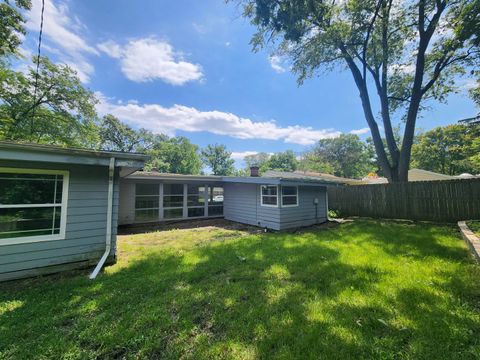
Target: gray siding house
<point>58,207</point>
<point>274,203</point>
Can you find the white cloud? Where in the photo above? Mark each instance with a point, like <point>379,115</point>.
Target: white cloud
<point>167,120</point>
<point>277,64</point>
<point>150,59</point>
<point>361,131</point>
<point>61,29</point>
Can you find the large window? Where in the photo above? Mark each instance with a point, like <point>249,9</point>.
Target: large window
<point>215,201</point>
<point>33,205</point>
<point>289,196</point>
<point>196,200</point>
<point>147,202</point>
<point>172,201</point>
<point>269,195</point>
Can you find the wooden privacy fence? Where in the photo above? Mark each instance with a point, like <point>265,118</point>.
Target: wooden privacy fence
<point>443,201</point>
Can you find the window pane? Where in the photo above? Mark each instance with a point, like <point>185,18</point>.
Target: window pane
<point>172,189</point>
<point>28,188</point>
<point>195,189</point>
<point>172,201</point>
<point>269,200</point>
<point>29,222</point>
<point>289,200</point>
<point>147,189</point>
<point>289,190</point>
<point>195,200</point>
<point>146,202</point>
<point>269,190</point>
<point>194,212</point>
<point>173,213</point>
<point>215,195</point>
<point>146,215</point>
<point>215,210</point>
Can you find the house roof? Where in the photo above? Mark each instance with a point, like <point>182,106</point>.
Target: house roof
<point>56,154</point>
<point>227,179</point>
<point>310,175</point>
<point>168,176</point>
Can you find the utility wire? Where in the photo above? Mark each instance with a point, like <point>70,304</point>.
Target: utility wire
<point>35,87</point>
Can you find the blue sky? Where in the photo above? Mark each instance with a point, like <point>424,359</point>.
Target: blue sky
<point>186,68</point>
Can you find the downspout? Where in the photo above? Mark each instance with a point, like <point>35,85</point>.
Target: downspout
<point>108,236</point>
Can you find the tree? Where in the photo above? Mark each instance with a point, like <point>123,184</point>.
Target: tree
<point>174,155</point>
<point>12,25</point>
<point>449,150</point>
<point>311,162</point>
<point>282,161</point>
<point>258,159</point>
<point>218,159</point>
<point>347,154</point>
<point>62,111</point>
<point>408,52</point>
<point>117,136</point>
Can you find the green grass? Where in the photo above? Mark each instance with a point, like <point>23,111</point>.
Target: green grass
<point>365,289</point>
<point>474,225</point>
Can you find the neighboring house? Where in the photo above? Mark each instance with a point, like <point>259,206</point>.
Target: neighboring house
<point>275,202</point>
<point>58,207</point>
<point>413,175</point>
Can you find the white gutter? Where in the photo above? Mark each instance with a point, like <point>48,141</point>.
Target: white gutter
<point>108,236</point>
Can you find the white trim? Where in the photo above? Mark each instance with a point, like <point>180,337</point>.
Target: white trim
<point>296,196</point>
<point>261,196</point>
<point>63,205</point>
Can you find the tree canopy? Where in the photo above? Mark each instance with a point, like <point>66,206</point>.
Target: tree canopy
<point>218,159</point>
<point>61,112</point>
<point>347,156</point>
<point>407,52</point>
<point>12,26</point>
<point>450,150</point>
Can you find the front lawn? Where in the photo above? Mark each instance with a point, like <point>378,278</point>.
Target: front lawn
<point>365,289</point>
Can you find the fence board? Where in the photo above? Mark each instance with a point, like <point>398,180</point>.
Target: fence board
<point>444,201</point>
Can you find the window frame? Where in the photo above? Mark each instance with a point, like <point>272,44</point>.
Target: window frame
<point>158,196</point>
<point>63,206</point>
<point>296,196</point>
<point>261,196</point>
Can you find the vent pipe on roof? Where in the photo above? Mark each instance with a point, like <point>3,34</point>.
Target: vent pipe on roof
<point>254,171</point>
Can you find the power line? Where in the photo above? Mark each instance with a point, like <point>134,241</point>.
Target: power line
<point>38,65</point>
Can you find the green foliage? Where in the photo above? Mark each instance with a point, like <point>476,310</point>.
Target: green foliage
<point>360,290</point>
<point>347,155</point>
<point>281,161</point>
<point>333,214</point>
<point>405,53</point>
<point>12,27</point>
<point>311,162</point>
<point>218,159</point>
<point>117,136</point>
<point>61,113</point>
<point>450,150</point>
<point>259,159</point>
<point>174,155</point>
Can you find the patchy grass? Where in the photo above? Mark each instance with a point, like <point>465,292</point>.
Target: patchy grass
<point>474,225</point>
<point>365,289</point>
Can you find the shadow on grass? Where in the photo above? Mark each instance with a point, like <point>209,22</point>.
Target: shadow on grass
<point>267,296</point>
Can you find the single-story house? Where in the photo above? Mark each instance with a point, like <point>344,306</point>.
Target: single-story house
<point>58,207</point>
<point>276,203</point>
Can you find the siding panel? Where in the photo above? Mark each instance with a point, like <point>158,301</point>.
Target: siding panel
<point>86,225</point>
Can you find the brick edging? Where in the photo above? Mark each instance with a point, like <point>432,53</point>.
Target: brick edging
<point>472,240</point>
